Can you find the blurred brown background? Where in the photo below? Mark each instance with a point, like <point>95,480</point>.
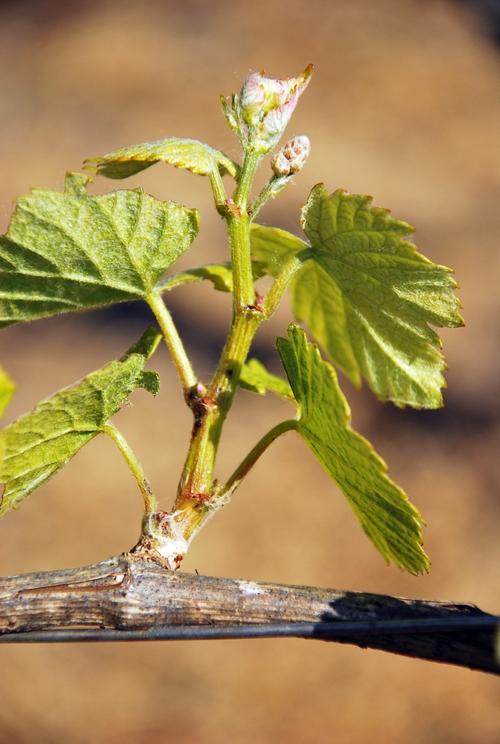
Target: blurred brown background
<point>404,105</point>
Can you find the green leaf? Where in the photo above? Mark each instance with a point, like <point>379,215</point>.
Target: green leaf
<point>71,251</point>
<point>272,247</point>
<point>150,381</point>
<point>39,444</point>
<point>367,295</point>
<point>256,378</point>
<point>386,515</point>
<point>316,300</point>
<point>182,153</point>
<point>76,183</point>
<point>7,389</point>
<point>381,295</point>
<point>221,276</point>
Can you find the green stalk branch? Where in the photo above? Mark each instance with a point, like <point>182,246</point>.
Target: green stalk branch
<point>212,410</point>
<point>198,496</point>
<point>239,238</point>
<point>270,191</point>
<point>197,476</point>
<point>243,191</point>
<point>247,464</point>
<point>135,466</point>
<point>173,341</point>
<point>196,486</point>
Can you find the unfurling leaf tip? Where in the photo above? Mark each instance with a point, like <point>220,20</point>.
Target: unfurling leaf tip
<point>149,381</point>
<point>76,183</point>
<point>146,345</point>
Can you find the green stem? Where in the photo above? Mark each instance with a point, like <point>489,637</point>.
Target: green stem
<point>239,236</point>
<point>214,407</point>
<point>135,466</point>
<point>225,381</point>
<point>198,496</point>
<point>247,464</point>
<point>271,190</point>
<point>211,411</point>
<point>242,194</point>
<point>173,341</point>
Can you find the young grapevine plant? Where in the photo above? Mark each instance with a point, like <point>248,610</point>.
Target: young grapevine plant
<point>364,293</point>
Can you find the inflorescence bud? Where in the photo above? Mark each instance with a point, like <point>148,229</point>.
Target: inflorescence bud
<point>292,157</point>
<point>263,108</point>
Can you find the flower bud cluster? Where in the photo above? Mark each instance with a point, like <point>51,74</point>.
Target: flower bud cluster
<point>263,109</point>
<point>292,157</point>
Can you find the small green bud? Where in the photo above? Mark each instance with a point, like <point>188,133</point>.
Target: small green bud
<point>229,109</point>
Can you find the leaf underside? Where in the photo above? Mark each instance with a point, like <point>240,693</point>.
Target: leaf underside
<point>72,251</point>
<point>391,522</point>
<point>40,443</point>
<point>182,153</point>
<point>367,295</point>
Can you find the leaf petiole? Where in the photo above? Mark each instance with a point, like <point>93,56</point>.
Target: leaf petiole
<point>247,464</point>
<point>243,191</point>
<point>174,342</point>
<point>150,503</point>
<point>270,191</point>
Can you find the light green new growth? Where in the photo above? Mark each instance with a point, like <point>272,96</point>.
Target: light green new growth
<point>38,444</point>
<point>273,247</point>
<point>221,276</point>
<point>7,389</point>
<point>189,154</point>
<point>181,153</point>
<point>368,297</point>
<point>255,377</point>
<point>386,515</point>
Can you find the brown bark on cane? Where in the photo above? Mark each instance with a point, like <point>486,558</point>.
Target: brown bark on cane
<point>132,593</point>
